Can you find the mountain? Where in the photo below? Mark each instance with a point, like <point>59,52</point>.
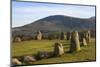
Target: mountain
<point>58,23</point>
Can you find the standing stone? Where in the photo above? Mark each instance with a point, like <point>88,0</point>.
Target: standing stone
<point>68,35</point>
<point>62,36</point>
<point>88,37</point>
<point>15,61</point>
<point>83,37</point>
<point>17,39</point>
<point>58,49</point>
<point>39,35</point>
<point>84,43</point>
<point>75,44</point>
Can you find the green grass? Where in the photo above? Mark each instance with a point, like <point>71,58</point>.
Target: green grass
<point>87,53</point>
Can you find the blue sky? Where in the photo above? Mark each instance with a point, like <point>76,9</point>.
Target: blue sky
<point>28,12</point>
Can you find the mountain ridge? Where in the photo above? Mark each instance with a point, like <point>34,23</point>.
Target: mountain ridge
<point>59,22</point>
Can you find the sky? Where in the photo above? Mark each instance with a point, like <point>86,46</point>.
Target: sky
<point>28,12</point>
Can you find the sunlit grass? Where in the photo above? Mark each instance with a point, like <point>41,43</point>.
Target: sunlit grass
<point>87,53</point>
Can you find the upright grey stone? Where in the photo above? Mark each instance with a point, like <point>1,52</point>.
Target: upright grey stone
<point>17,39</point>
<point>62,36</point>
<point>84,42</point>
<point>68,35</point>
<point>75,44</point>
<point>88,36</point>
<point>39,35</point>
<point>58,49</point>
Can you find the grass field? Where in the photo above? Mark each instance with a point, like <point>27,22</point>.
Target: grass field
<point>87,53</point>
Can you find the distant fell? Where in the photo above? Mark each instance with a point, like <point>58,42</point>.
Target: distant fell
<point>58,23</point>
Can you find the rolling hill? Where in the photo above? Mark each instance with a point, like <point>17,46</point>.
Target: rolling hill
<point>57,23</point>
